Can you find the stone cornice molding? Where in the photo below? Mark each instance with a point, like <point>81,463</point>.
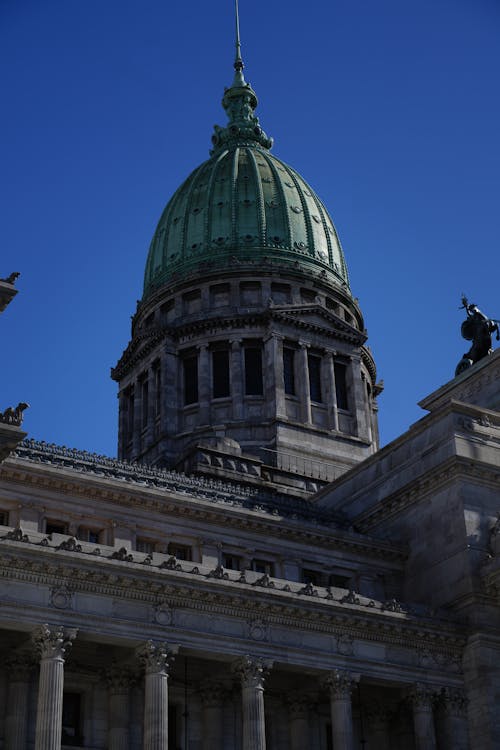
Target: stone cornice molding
<point>236,600</point>
<point>204,500</point>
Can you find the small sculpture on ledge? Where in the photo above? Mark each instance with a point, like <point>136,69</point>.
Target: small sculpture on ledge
<point>477,327</point>
<point>14,416</point>
<point>12,278</point>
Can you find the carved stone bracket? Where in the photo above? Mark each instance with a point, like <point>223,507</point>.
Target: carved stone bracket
<point>53,642</point>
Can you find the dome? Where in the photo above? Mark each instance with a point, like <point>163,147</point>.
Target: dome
<point>243,207</point>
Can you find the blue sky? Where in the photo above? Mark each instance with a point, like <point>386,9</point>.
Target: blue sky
<point>389,109</point>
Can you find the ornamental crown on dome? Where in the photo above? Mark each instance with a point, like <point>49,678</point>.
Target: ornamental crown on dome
<point>243,129</point>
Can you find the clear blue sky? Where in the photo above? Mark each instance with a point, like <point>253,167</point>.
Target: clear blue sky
<point>389,109</point>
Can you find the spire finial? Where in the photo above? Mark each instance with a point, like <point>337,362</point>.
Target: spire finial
<point>238,62</point>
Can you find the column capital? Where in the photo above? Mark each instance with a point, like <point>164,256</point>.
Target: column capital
<point>119,679</point>
<point>299,704</point>
<point>53,642</point>
<point>252,672</point>
<point>304,344</point>
<point>453,701</point>
<point>340,684</point>
<point>273,335</point>
<point>155,657</point>
<point>212,692</point>
<point>235,342</point>
<point>19,665</point>
<point>421,697</point>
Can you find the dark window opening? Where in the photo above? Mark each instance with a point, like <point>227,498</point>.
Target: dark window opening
<point>340,581</point>
<point>329,739</point>
<point>180,551</point>
<point>312,576</point>
<point>172,728</point>
<point>220,373</point>
<point>341,385</point>
<point>157,377</point>
<point>263,566</point>
<point>191,380</point>
<point>145,401</point>
<point>130,413</point>
<point>85,534</point>
<point>231,562</point>
<point>314,366</point>
<point>4,518</point>
<point>71,719</point>
<point>144,545</point>
<point>253,371</point>
<point>289,371</point>
<point>53,527</point>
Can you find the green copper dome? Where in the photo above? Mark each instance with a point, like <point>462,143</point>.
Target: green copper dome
<point>243,207</point>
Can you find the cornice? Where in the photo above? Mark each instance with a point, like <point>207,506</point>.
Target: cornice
<point>207,501</point>
<point>291,605</point>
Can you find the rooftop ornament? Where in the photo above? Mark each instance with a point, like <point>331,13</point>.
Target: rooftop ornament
<point>477,327</point>
<point>239,102</point>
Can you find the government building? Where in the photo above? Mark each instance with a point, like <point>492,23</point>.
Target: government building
<point>253,572</point>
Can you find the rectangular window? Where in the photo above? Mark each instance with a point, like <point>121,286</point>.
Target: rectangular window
<point>253,371</point>
<point>144,545</point>
<point>281,294</point>
<point>86,534</point>
<point>289,371</point>
<point>4,518</point>
<point>251,294</point>
<point>157,377</point>
<point>341,385</point>
<point>71,719</point>
<point>180,551</point>
<point>314,366</point>
<point>130,413</point>
<point>145,401</point>
<point>190,380</point>
<point>263,566</point>
<point>55,527</point>
<point>220,373</point>
<point>231,562</point>
<point>219,295</point>
<point>340,581</point>
<point>312,576</point>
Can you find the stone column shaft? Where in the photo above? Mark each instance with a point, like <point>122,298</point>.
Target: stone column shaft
<point>16,719</point>
<point>304,387</point>
<point>274,386</point>
<point>298,710</point>
<point>212,697</point>
<point>204,384</point>
<point>52,644</point>
<point>252,674</point>
<point>171,398</point>
<point>237,373</point>
<point>423,719</point>
<point>331,394</point>
<point>340,685</point>
<point>156,660</point>
<point>119,681</point>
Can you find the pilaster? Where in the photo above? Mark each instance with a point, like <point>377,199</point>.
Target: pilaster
<point>119,682</point>
<point>213,694</point>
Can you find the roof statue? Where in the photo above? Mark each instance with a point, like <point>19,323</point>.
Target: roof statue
<point>477,327</point>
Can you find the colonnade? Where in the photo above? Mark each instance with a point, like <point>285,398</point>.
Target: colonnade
<point>53,644</point>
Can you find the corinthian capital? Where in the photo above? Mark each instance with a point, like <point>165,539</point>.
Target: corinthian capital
<point>252,672</point>
<point>155,657</point>
<point>53,642</point>
<point>340,684</point>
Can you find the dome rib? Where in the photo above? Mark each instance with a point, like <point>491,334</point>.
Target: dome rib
<point>261,213</point>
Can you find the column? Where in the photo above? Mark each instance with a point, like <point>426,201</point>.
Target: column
<point>298,711</point>
<point>378,717</point>
<point>453,712</point>
<point>304,389</point>
<point>421,699</point>
<point>252,673</point>
<point>137,431</point>
<point>212,699</point>
<point>237,376</point>
<point>171,398</point>
<point>331,394</point>
<point>156,659</point>
<point>122,424</point>
<point>340,685</point>
<point>52,644</point>
<point>119,681</point>
<point>358,397</point>
<point>203,384</point>
<point>274,386</point>
<point>19,669</point>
